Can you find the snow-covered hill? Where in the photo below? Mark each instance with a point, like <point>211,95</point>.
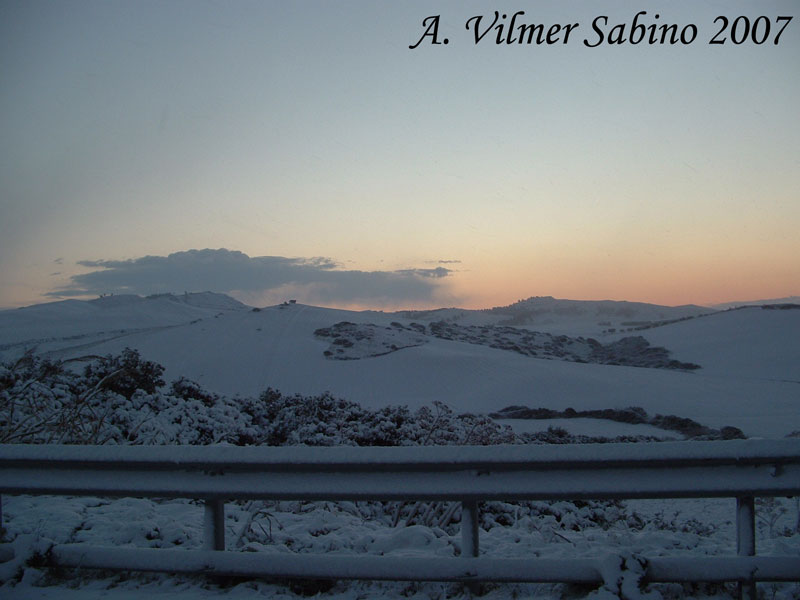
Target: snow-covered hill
<point>750,359</point>
<point>53,325</point>
<point>784,300</point>
<point>570,317</point>
<point>747,343</point>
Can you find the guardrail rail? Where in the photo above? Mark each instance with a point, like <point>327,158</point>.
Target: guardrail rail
<point>741,469</point>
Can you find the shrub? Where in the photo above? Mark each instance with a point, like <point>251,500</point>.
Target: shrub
<point>126,373</point>
<point>191,390</point>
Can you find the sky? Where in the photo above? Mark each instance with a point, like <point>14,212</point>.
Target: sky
<point>276,150</point>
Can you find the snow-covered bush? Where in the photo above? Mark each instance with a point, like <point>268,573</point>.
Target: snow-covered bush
<point>125,374</point>
<point>120,400</point>
<point>327,421</point>
<point>115,400</point>
<point>41,402</point>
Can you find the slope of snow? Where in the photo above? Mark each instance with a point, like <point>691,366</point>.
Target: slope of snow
<point>748,343</point>
<point>245,352</point>
<point>45,326</point>
<point>588,316</point>
<point>784,300</point>
<point>559,316</point>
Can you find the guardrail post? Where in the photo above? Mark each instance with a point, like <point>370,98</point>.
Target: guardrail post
<point>746,540</point>
<point>469,528</point>
<point>214,525</point>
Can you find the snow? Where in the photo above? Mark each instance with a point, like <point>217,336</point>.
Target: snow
<point>76,323</point>
<point>291,529</point>
<point>246,352</point>
<point>588,427</point>
<point>564,317</point>
<point>750,361</point>
<point>749,343</point>
<point>355,342</point>
<point>354,457</point>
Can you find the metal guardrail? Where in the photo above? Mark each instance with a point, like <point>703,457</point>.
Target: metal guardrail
<point>742,469</point>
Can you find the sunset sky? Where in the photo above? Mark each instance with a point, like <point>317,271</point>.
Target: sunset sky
<point>277,150</point>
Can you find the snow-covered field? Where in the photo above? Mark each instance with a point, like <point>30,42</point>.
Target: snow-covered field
<point>749,378</point>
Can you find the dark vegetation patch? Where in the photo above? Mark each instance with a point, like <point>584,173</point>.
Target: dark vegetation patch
<point>124,400</point>
<point>633,415</point>
<point>351,341</point>
<point>372,340</point>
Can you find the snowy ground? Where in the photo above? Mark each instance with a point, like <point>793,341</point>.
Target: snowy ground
<point>651,528</point>
<point>750,378</point>
<point>751,343</point>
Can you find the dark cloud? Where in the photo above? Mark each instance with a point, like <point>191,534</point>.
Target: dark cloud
<point>226,271</point>
<point>434,273</point>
